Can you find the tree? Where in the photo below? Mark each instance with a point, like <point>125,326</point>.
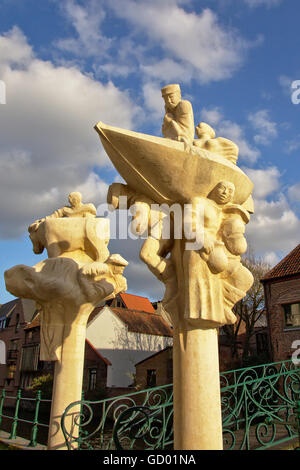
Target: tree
<point>43,383</point>
<point>248,310</point>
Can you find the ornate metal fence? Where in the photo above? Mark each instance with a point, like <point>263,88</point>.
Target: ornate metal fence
<point>12,411</point>
<point>258,407</point>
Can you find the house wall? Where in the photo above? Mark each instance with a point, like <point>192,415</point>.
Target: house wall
<point>9,378</point>
<point>277,293</point>
<point>161,363</point>
<point>122,348</point>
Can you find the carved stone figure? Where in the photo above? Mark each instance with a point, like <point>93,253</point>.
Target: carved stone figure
<point>178,121</point>
<point>78,275</point>
<point>220,146</point>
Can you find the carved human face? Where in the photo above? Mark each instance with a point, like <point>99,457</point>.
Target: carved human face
<point>75,199</point>
<point>172,100</point>
<point>223,192</point>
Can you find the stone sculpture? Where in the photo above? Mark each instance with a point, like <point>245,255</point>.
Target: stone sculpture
<point>178,123</point>
<point>78,275</point>
<point>203,273</point>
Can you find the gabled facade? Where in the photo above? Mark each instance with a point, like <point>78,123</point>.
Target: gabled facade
<point>282,300</point>
<point>125,337</point>
<point>14,317</point>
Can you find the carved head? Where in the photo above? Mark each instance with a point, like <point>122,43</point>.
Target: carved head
<point>75,199</point>
<point>171,95</point>
<point>222,193</point>
<point>35,237</point>
<point>204,129</point>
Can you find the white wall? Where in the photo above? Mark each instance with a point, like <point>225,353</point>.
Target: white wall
<point>123,349</point>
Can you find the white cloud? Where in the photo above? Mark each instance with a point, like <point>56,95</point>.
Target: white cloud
<point>153,99</point>
<point>87,22</point>
<point>273,227</point>
<point>230,130</point>
<point>259,3</point>
<point>169,70</point>
<point>285,82</point>
<point>266,129</point>
<point>265,181</point>
<point>271,258</point>
<point>197,42</point>
<point>294,193</point>
<point>48,144</point>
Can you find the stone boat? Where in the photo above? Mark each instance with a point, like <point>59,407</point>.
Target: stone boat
<point>164,171</point>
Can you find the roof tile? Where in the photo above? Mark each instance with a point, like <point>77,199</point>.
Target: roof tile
<point>143,322</point>
<point>136,302</point>
<point>288,266</point>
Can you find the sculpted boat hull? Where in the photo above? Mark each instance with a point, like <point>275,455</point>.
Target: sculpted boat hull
<point>162,170</point>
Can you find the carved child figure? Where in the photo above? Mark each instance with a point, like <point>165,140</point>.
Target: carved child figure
<point>221,146</point>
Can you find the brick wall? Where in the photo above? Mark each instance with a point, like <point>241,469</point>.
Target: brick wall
<point>161,363</point>
<point>279,292</point>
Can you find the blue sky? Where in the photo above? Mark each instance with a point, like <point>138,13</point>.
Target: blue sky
<point>68,64</point>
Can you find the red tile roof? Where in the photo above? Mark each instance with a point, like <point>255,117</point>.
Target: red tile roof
<point>136,302</point>
<point>288,266</point>
<point>143,322</point>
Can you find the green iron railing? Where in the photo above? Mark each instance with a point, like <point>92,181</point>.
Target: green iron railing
<point>260,408</point>
<point>8,402</point>
<point>258,411</point>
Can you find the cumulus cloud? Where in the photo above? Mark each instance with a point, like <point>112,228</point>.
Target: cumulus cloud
<point>265,128</point>
<point>188,45</point>
<point>273,227</point>
<point>266,181</point>
<point>294,192</point>
<point>48,144</point>
<point>87,23</point>
<point>196,41</point>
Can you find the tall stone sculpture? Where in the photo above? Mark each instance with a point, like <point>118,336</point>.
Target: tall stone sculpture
<point>78,274</point>
<point>200,264</point>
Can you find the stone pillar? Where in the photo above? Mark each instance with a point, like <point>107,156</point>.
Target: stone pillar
<point>67,385</point>
<point>197,407</point>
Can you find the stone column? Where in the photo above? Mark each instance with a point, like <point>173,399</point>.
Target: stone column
<point>67,385</point>
<point>197,407</point>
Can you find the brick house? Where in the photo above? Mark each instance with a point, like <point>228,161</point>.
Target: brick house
<point>282,301</point>
<point>14,317</point>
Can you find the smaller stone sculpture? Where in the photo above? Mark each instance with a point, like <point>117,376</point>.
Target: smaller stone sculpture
<point>78,275</point>
<point>178,121</point>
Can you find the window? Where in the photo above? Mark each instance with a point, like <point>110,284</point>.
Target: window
<point>30,358</point>
<point>11,370</point>
<point>92,379</point>
<point>292,315</point>
<point>17,326</point>
<point>151,378</point>
<point>261,343</point>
